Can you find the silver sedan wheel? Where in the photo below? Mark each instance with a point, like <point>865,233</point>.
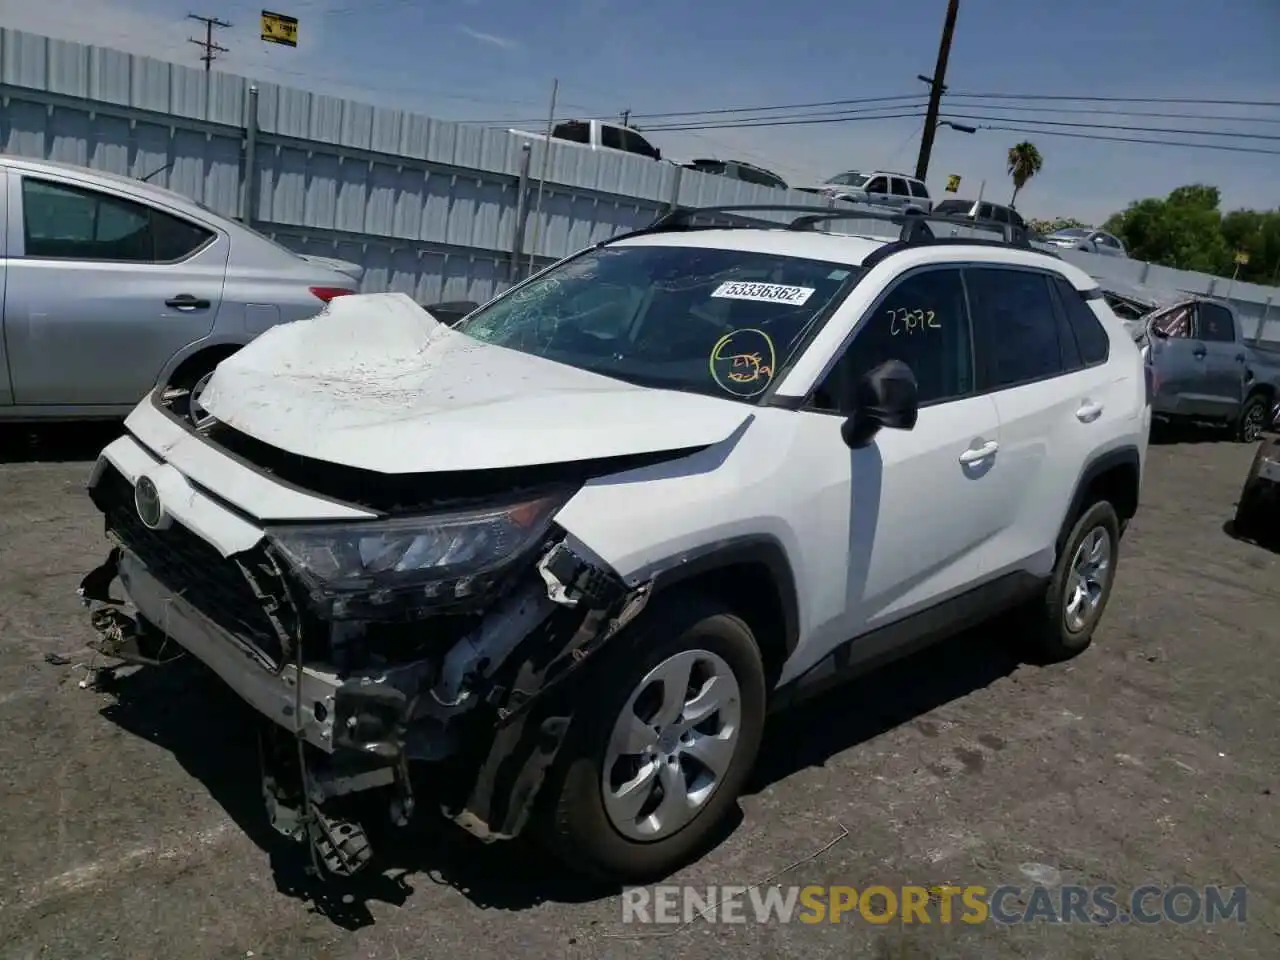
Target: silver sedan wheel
<point>1087,582</point>
<point>671,745</point>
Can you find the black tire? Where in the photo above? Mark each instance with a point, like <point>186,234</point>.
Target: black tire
<point>1051,635</point>
<point>1252,419</point>
<point>1249,511</point>
<point>573,822</point>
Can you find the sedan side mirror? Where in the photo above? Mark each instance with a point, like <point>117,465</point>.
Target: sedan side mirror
<point>886,396</point>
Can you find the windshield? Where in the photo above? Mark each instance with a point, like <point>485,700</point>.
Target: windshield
<point>1072,233</point>
<point>850,179</point>
<point>718,322</point>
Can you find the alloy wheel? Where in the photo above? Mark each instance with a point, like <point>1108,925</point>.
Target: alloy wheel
<point>672,745</point>
<point>1087,582</point>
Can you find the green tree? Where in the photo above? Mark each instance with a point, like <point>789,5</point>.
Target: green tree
<point>1024,162</point>
<point>1187,230</point>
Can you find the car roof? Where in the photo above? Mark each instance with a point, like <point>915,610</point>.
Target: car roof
<point>112,181</point>
<point>843,248</point>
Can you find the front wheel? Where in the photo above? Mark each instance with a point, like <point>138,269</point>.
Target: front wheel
<point>655,760</point>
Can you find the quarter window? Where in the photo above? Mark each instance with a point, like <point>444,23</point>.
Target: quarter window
<point>1014,327</point>
<point>921,322</point>
<point>918,189</point>
<point>62,222</point>
<point>1091,338</point>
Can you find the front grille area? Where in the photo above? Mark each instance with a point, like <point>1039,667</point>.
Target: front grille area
<point>189,566</point>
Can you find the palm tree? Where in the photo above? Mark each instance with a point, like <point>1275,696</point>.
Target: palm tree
<point>1024,163</point>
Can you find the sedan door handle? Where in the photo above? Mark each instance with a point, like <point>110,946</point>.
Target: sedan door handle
<point>1089,412</point>
<point>185,301</point>
<point>1199,353</point>
<point>974,454</point>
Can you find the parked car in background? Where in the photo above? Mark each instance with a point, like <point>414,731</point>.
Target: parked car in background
<point>1258,509</point>
<point>737,170</point>
<point>1201,369</point>
<point>981,211</point>
<point>599,135</point>
<point>113,285</point>
<point>1088,240</point>
<point>879,187</point>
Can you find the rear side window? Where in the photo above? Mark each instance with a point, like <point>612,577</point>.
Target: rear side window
<point>1091,338</point>
<point>918,189</point>
<point>899,187</point>
<point>62,222</point>
<point>1014,327</point>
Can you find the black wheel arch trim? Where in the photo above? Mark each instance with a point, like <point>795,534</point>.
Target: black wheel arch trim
<point>752,549</point>
<point>1126,456</point>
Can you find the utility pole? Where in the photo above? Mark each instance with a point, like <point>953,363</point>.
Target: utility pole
<point>937,84</point>
<point>211,49</point>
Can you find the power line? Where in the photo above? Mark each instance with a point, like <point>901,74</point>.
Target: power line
<point>791,121</point>
<point>1181,131</point>
<point>1095,111</point>
<point>1062,97</point>
<point>781,106</point>
<point>1225,148</point>
<point>207,43</point>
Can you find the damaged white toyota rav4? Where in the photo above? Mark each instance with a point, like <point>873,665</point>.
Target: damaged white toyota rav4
<point>560,560</point>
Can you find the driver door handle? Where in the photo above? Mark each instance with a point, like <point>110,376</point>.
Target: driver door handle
<point>974,454</point>
<point>1089,412</point>
<point>185,301</point>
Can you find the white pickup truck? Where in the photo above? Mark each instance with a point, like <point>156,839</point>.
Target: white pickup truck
<point>599,135</point>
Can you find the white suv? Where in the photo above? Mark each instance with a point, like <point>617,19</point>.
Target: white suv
<point>570,552</point>
<point>880,188</point>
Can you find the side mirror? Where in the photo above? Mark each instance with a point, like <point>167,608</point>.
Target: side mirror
<point>887,396</point>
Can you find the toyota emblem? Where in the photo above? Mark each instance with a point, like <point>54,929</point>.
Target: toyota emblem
<point>146,498</point>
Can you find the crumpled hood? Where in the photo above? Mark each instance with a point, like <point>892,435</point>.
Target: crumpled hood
<point>376,382</point>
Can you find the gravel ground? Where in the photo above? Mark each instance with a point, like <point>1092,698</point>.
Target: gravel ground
<point>132,826</point>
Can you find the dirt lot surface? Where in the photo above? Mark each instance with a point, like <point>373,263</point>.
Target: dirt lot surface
<point>131,823</point>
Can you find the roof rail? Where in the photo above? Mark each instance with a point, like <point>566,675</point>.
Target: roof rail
<point>913,227</point>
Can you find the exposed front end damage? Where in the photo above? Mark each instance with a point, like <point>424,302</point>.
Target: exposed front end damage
<point>467,683</point>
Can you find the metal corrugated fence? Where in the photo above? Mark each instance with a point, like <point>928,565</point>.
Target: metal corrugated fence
<point>436,209</point>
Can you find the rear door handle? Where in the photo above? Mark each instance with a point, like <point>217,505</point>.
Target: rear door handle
<point>974,454</point>
<point>1089,412</point>
<point>185,301</point>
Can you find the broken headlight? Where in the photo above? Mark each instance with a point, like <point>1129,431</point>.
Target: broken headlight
<point>353,567</point>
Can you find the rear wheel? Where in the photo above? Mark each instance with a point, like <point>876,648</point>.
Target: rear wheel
<point>1252,420</point>
<point>659,755</point>
<point>1062,622</point>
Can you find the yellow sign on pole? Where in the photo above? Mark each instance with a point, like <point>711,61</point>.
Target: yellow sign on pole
<point>1242,258</point>
<point>279,28</point>
<point>953,183</point>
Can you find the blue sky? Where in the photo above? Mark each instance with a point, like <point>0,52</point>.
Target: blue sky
<point>495,60</point>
